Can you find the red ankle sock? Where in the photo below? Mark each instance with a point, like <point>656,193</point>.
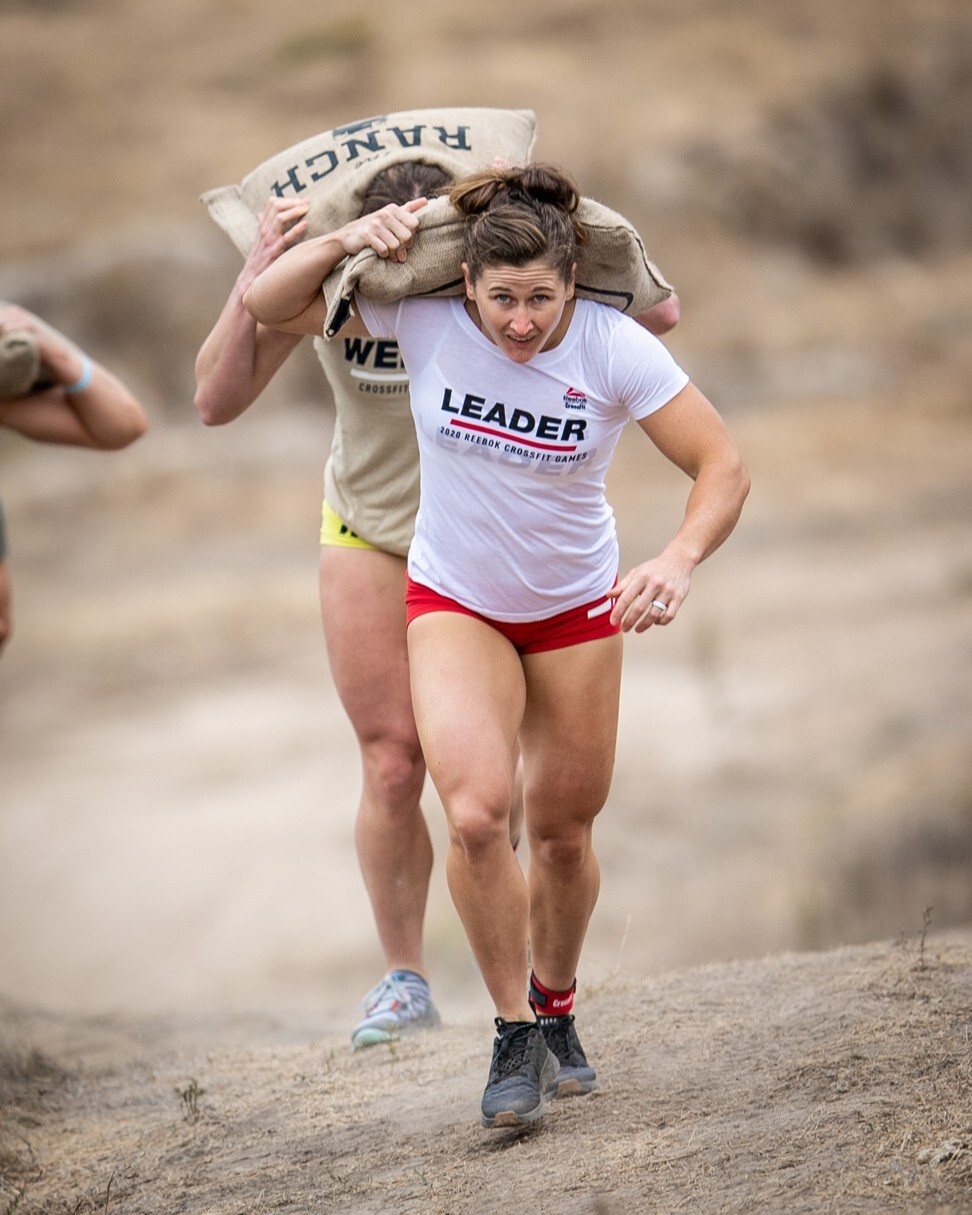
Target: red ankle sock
<point>548,1003</point>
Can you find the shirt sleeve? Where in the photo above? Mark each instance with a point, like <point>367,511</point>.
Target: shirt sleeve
<point>644,376</point>
<point>381,320</point>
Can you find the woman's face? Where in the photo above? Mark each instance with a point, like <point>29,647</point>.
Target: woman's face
<point>521,309</point>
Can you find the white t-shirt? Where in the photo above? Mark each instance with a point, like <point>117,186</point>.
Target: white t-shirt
<point>513,521</point>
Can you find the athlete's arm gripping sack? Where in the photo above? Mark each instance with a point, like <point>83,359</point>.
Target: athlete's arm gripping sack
<point>612,265</point>
<point>333,170</point>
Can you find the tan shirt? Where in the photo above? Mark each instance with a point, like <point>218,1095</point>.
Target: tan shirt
<point>371,479</point>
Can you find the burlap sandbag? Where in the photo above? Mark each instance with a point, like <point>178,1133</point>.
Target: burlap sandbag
<point>22,369</point>
<point>19,364</point>
<point>334,169</point>
<point>612,265</point>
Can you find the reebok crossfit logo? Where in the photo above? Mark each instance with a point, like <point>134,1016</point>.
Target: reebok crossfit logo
<point>575,399</point>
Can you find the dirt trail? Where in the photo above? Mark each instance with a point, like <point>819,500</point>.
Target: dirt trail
<point>798,1083</point>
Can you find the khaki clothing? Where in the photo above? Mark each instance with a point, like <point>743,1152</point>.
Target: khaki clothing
<point>371,479</point>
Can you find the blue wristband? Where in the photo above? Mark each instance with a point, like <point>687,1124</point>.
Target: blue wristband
<point>86,373</point>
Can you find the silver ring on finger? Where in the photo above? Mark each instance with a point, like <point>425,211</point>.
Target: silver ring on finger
<point>659,606</point>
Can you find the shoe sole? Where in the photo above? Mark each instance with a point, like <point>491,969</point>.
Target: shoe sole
<point>373,1037</point>
<point>376,1035</point>
<point>512,1118</point>
<point>572,1087</point>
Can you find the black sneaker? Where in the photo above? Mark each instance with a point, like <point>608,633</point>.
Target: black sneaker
<point>520,1075</point>
<point>576,1076</point>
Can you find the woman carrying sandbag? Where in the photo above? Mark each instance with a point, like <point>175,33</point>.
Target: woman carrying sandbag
<point>516,611</point>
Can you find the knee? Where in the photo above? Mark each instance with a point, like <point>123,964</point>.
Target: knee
<point>477,829</point>
<point>564,849</point>
<point>394,771</point>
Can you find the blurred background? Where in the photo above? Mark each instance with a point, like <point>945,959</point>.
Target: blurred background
<point>177,780</point>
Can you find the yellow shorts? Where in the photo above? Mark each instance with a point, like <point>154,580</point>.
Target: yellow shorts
<point>335,532</point>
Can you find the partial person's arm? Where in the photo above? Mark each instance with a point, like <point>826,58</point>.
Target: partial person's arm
<point>661,318</point>
<point>239,358</point>
<point>690,433</point>
<point>86,406</point>
<point>6,620</point>
<point>288,296</point>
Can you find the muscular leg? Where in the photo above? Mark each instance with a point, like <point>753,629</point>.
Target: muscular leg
<point>568,736</point>
<point>363,611</point>
<point>468,692</point>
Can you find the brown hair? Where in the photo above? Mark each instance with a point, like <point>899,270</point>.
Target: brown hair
<point>402,182</point>
<point>515,215</point>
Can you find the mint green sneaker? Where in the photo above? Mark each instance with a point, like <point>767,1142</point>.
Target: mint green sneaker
<point>400,1003</point>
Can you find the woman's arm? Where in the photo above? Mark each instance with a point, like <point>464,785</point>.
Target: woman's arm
<point>661,318</point>
<point>6,618</point>
<point>288,296</point>
<point>86,406</point>
<point>690,433</point>
<point>239,358</point>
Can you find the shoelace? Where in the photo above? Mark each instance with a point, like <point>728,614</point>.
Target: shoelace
<point>512,1050</point>
<point>558,1036</point>
<point>388,992</point>
<point>385,995</point>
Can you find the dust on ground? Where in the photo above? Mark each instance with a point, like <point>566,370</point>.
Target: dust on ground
<point>802,1083</point>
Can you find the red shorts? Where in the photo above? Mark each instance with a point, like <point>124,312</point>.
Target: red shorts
<point>585,623</point>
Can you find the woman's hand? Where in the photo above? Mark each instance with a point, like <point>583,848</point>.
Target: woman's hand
<point>651,593</point>
<point>282,224</point>
<point>389,232</point>
<point>287,295</point>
